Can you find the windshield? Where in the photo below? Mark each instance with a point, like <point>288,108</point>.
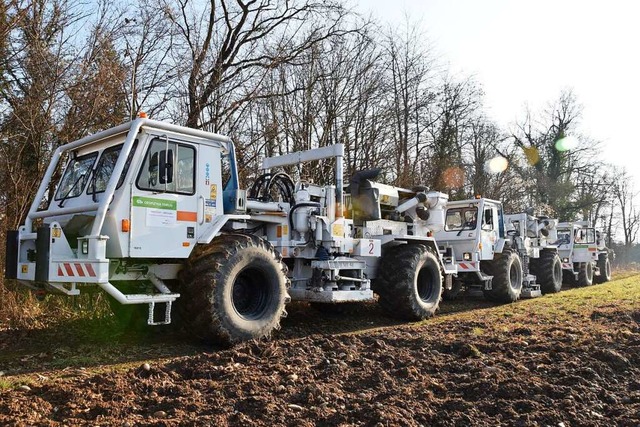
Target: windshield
<point>461,219</point>
<point>104,170</point>
<point>75,176</point>
<point>564,237</point>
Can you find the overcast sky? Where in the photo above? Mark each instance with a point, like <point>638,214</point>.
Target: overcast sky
<point>526,52</point>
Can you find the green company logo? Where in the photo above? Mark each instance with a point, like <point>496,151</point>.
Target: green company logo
<point>148,202</point>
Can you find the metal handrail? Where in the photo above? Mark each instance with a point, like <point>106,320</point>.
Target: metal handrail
<point>132,129</point>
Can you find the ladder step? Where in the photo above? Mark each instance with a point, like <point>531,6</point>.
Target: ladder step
<point>147,299</point>
<point>167,314</point>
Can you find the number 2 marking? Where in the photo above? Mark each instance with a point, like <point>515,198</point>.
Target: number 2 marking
<point>371,247</point>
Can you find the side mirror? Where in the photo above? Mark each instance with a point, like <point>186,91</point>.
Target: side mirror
<point>153,170</point>
<point>166,166</point>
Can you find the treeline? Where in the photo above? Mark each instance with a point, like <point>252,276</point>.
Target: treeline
<point>285,76</point>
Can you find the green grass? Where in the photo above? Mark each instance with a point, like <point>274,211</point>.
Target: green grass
<point>6,384</point>
<point>478,331</point>
<point>565,306</point>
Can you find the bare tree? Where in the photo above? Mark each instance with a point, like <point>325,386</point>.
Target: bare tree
<point>34,87</point>
<point>144,37</point>
<point>551,170</point>
<point>489,172</point>
<point>410,92</point>
<point>95,94</point>
<point>629,214</point>
<point>238,43</point>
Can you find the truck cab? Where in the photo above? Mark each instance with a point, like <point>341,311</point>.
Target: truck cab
<point>473,233</point>
<point>474,230</point>
<point>112,204</point>
<point>578,249</point>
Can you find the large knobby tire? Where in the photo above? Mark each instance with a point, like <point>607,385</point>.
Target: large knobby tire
<point>506,269</point>
<point>585,274</point>
<point>568,277</point>
<point>233,290</point>
<point>409,282</point>
<point>548,271</point>
<point>605,269</point>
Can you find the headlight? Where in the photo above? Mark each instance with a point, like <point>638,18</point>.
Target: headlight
<point>85,247</point>
<point>565,259</point>
<point>466,256</point>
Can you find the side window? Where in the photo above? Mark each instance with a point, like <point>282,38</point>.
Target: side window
<point>168,167</point>
<point>487,220</point>
<point>185,170</point>
<point>226,170</point>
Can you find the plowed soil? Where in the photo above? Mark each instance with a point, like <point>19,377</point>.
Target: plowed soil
<point>569,359</point>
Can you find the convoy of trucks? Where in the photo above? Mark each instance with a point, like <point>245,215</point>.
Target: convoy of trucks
<point>153,214</point>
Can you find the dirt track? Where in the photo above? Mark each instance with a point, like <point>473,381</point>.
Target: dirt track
<point>574,361</point>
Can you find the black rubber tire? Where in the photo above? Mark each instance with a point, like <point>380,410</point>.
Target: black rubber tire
<point>233,290</point>
<point>454,292</point>
<point>409,282</point>
<point>585,274</point>
<point>568,277</point>
<point>605,269</point>
<point>548,271</point>
<point>506,269</point>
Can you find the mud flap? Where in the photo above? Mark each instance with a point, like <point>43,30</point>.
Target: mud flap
<point>43,252</point>
<point>11,255</point>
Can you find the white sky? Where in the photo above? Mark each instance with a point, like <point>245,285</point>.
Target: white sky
<point>526,52</point>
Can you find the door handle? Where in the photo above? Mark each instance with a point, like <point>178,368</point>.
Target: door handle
<point>201,205</point>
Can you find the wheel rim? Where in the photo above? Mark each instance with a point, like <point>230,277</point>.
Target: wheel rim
<point>514,279</point>
<point>607,269</point>
<point>557,271</point>
<point>425,284</point>
<point>251,293</point>
<point>589,271</point>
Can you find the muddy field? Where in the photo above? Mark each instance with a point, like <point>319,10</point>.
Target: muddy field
<point>570,359</point>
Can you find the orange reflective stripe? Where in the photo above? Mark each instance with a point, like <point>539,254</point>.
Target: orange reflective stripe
<point>187,216</point>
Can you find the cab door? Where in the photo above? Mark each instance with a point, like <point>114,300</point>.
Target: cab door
<point>209,189</point>
<point>488,231</point>
<point>164,203</point>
